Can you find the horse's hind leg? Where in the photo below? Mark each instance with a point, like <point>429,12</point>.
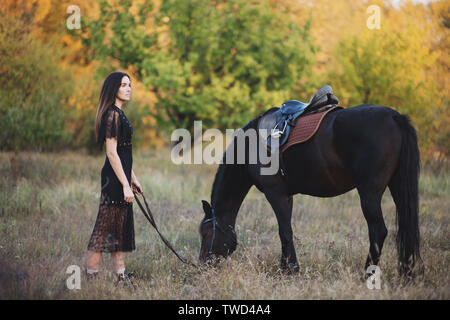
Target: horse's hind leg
<point>282,205</point>
<point>371,208</point>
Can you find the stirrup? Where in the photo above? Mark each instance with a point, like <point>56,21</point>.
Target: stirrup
<point>276,133</point>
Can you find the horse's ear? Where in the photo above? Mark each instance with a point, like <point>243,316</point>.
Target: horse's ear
<point>207,209</point>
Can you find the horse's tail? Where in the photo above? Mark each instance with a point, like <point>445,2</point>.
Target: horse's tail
<point>404,186</point>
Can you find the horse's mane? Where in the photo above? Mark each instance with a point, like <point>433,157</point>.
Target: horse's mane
<point>252,124</point>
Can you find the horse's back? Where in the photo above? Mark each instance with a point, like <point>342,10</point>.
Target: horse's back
<point>365,132</point>
<point>350,144</point>
<point>365,115</point>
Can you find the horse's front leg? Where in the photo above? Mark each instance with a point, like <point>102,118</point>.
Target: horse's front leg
<point>282,206</point>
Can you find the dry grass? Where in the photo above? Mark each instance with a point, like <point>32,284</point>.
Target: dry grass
<point>49,204</point>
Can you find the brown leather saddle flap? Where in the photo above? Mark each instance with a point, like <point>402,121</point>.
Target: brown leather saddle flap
<point>306,127</point>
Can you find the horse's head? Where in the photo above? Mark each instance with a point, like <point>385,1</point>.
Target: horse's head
<point>217,239</point>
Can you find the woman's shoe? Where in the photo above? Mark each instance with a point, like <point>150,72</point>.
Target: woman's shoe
<point>91,276</point>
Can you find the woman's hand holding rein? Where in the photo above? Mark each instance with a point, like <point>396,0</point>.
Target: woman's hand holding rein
<point>128,193</point>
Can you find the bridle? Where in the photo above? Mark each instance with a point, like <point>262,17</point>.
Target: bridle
<point>215,224</point>
<point>149,216</point>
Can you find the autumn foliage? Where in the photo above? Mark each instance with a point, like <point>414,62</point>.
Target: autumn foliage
<point>223,62</point>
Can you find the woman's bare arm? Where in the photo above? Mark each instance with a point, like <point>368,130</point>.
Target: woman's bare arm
<point>133,176</point>
<point>135,182</point>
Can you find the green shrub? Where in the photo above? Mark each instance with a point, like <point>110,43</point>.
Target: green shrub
<point>33,91</point>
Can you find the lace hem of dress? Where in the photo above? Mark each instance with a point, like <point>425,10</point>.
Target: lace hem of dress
<point>113,230</point>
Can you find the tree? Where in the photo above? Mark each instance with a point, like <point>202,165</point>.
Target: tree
<point>221,62</point>
<point>387,67</point>
<point>33,93</point>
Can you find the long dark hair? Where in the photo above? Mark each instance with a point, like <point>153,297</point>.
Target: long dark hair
<point>108,96</point>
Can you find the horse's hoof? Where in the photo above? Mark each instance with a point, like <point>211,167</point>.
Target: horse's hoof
<point>290,268</point>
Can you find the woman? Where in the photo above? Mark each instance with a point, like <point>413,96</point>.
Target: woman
<point>114,228</point>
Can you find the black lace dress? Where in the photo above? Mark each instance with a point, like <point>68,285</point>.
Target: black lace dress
<point>114,227</point>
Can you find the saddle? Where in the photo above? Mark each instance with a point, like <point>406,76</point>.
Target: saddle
<point>279,123</point>
<point>307,125</point>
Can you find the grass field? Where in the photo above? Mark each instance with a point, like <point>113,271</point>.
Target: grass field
<point>49,203</point>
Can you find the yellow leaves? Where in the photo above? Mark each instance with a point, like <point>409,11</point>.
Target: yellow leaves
<point>359,51</point>
<point>148,120</point>
<point>410,51</point>
<point>190,90</point>
<point>43,8</point>
<point>401,66</point>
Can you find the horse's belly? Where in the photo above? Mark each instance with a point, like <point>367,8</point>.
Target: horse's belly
<point>314,167</point>
<point>320,184</point>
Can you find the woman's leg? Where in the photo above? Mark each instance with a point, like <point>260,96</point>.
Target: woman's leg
<point>119,261</point>
<point>93,263</point>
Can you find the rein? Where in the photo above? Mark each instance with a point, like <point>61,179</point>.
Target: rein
<point>149,216</point>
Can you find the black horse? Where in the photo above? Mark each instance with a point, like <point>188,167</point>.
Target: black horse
<point>366,147</point>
